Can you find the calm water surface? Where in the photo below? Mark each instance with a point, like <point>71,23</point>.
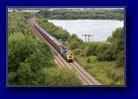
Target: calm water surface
<point>100,29</point>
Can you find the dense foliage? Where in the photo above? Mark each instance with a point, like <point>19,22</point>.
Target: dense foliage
<point>26,57</point>
<point>83,14</point>
<point>56,31</point>
<point>75,42</point>
<point>18,22</point>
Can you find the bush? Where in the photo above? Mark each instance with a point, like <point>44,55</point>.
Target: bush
<point>101,49</point>
<point>82,54</point>
<point>25,56</point>
<point>91,50</point>
<point>105,56</point>
<point>88,60</point>
<point>117,41</point>
<point>109,52</point>
<point>74,45</point>
<point>77,51</point>
<point>25,49</point>
<point>57,76</point>
<point>75,42</point>
<point>120,59</point>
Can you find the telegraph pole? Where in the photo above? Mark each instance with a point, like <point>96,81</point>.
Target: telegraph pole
<point>86,36</point>
<point>89,37</point>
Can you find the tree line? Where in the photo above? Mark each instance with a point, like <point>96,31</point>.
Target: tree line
<point>117,14</point>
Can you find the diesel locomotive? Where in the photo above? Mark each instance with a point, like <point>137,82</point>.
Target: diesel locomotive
<point>64,51</point>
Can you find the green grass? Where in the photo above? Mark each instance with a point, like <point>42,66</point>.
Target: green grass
<point>105,72</point>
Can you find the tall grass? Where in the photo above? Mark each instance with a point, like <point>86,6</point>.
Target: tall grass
<point>104,71</point>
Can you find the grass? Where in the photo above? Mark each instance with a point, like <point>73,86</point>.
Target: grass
<point>104,71</point>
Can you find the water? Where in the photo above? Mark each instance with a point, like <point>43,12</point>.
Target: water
<point>100,29</point>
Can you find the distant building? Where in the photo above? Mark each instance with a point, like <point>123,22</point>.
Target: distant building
<point>31,11</point>
<point>10,10</point>
<point>52,9</point>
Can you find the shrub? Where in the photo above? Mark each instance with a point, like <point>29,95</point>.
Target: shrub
<point>75,45</point>
<point>75,42</point>
<point>25,56</point>
<point>120,59</point>
<point>94,59</point>
<point>117,41</point>
<point>91,50</point>
<point>105,52</point>
<point>101,49</point>
<point>58,76</point>
<point>77,51</point>
<point>108,54</point>
<point>88,60</point>
<point>82,54</point>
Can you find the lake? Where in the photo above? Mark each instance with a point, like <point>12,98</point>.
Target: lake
<point>100,29</point>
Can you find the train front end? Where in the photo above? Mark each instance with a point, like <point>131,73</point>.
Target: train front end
<point>70,56</point>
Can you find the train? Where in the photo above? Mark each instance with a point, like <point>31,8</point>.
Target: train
<point>64,51</point>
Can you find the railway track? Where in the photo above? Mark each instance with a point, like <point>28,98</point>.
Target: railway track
<point>84,76</point>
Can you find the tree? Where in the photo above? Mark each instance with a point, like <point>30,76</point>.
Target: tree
<point>85,14</point>
<point>25,57</point>
<point>74,45</point>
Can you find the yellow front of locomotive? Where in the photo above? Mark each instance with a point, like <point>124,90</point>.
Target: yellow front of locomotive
<point>70,56</point>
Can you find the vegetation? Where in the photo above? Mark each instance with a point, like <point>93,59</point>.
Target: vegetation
<point>29,58</point>
<point>18,22</point>
<point>30,61</point>
<point>105,61</point>
<point>56,31</point>
<point>117,14</point>
<point>75,42</point>
<point>104,71</point>
<point>20,9</point>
